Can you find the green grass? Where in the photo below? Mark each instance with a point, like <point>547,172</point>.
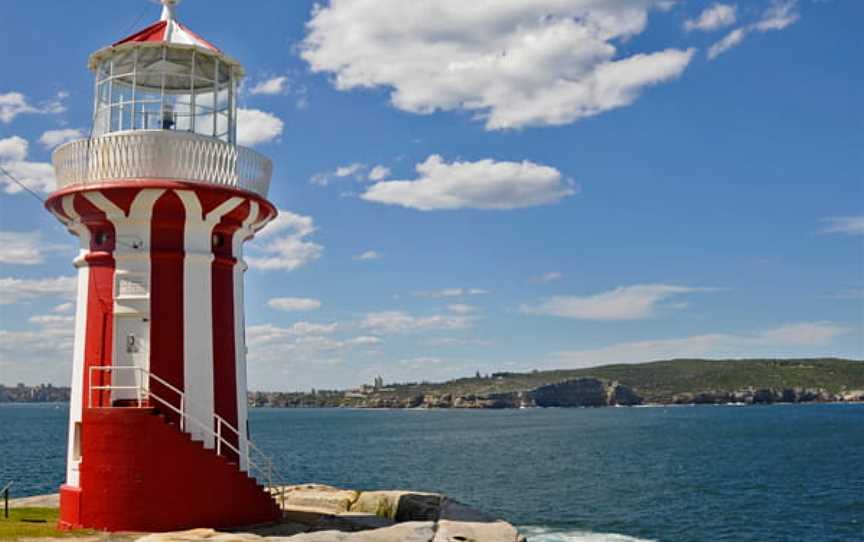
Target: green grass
<point>33,523</point>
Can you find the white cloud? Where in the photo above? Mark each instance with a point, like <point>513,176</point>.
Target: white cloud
<point>294,304</point>
<point>714,17</point>
<point>364,340</point>
<point>379,173</point>
<point>274,85</point>
<point>63,307</point>
<point>24,248</point>
<point>625,303</point>
<point>288,221</point>
<point>13,290</point>
<point>399,322</point>
<point>254,127</point>
<point>307,344</point>
<point>55,138</point>
<point>456,341</point>
<point>514,64</point>
<point>355,170</point>
<point>462,308</point>
<point>37,176</point>
<point>268,333</point>
<point>52,320</point>
<point>13,149</point>
<point>485,184</point>
<point>801,334</point>
<point>52,337</point>
<point>852,225</point>
<point>780,15</point>
<point>450,292</point>
<point>368,255</point>
<point>729,41</point>
<point>13,104</point>
<point>548,277</point>
<point>717,345</point>
<point>350,169</point>
<point>284,244</point>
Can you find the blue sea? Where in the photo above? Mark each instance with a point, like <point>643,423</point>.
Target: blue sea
<point>706,473</point>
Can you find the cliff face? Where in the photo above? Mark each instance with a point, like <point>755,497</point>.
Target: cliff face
<point>580,392</point>
<point>584,392</point>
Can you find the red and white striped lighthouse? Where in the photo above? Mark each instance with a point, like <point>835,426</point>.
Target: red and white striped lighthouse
<point>162,199</point>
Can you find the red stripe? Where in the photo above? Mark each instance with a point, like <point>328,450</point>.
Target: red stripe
<point>224,332</point>
<point>98,341</point>
<point>166,298</point>
<point>122,197</point>
<point>154,32</point>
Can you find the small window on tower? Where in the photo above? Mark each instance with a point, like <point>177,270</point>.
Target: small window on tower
<point>101,238</point>
<point>218,240</point>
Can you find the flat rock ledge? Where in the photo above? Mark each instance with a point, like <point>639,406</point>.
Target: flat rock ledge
<point>320,513</point>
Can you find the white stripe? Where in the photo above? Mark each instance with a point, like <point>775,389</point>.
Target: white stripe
<point>76,401</point>
<point>198,309</point>
<point>242,234</point>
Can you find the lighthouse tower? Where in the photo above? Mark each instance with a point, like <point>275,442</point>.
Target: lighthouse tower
<point>162,199</point>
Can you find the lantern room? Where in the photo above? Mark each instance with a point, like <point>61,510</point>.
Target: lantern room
<point>166,77</point>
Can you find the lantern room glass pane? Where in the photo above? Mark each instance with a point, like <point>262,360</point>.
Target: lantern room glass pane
<point>121,92</point>
<point>149,57</point>
<point>103,71</point>
<point>148,116</point>
<point>205,67</point>
<point>148,74</point>
<point>204,96</point>
<point>124,63</point>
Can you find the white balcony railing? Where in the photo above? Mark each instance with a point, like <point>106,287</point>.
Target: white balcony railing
<point>161,154</point>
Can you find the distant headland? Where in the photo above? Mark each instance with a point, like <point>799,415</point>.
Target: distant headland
<point>677,381</point>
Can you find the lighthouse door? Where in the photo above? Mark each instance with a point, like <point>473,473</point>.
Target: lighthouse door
<point>131,355</point>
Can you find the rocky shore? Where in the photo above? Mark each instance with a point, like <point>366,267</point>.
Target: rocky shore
<point>320,513</point>
<point>767,396</point>
<point>594,392</point>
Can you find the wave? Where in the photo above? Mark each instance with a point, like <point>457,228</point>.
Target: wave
<point>551,534</point>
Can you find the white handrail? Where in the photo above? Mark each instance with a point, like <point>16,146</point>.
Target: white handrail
<point>143,392</point>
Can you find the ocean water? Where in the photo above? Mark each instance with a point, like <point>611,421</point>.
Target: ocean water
<point>772,473</point>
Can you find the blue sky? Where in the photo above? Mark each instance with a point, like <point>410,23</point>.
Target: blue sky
<point>490,186</point>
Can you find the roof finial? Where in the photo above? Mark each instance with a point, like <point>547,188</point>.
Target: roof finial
<point>168,9</point>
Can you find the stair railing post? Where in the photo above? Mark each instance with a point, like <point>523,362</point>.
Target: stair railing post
<point>218,436</point>
<point>138,385</point>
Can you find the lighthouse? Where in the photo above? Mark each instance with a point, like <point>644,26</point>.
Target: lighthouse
<point>162,199</point>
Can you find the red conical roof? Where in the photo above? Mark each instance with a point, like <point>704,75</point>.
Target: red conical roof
<point>168,31</point>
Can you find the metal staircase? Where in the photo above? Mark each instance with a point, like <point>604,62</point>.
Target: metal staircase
<point>135,389</point>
